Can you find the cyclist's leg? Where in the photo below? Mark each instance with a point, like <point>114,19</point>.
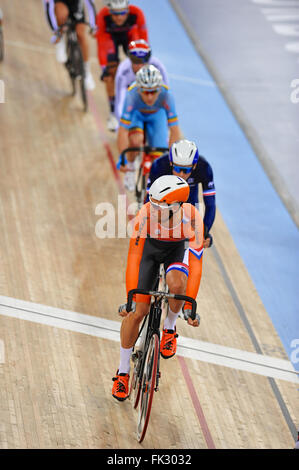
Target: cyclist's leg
<point>136,133</point>
<point>176,278</point>
<point>77,13</point>
<point>61,11</point>
<point>148,271</point>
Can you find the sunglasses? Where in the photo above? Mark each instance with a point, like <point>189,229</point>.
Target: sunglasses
<point>184,169</point>
<point>163,205</point>
<point>149,92</point>
<point>118,12</point>
<point>139,60</point>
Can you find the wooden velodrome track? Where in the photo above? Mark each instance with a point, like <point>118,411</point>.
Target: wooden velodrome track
<point>55,378</point>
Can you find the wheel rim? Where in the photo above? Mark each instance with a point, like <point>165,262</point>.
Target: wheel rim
<point>147,386</point>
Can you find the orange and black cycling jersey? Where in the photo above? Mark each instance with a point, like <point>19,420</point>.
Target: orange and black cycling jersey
<point>189,228</point>
<point>134,28</point>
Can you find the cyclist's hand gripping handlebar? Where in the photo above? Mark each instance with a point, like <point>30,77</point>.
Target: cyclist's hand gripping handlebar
<point>191,312</point>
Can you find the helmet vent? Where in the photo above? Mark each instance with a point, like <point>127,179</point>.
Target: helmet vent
<point>165,189</point>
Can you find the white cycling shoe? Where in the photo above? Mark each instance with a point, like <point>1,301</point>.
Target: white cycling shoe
<point>112,123</point>
<point>61,55</point>
<point>89,81</point>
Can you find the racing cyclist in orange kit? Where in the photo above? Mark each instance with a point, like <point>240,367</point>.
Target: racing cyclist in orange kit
<point>162,229</point>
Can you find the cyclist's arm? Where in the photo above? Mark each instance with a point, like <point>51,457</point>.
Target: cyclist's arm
<point>136,249</point>
<point>174,134</point>
<point>91,12</point>
<point>122,138</point>
<point>172,118</point>
<point>157,63</point>
<point>140,31</point>
<point>104,39</point>
<point>209,197</point>
<point>50,14</point>
<point>124,123</point>
<point>121,86</point>
<point>195,255</point>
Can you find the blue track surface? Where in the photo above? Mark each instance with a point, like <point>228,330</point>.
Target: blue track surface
<point>263,231</point>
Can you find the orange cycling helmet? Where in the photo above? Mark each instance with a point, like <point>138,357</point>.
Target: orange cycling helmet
<point>169,189</point>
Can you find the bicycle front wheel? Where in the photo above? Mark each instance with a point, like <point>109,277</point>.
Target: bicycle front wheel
<point>148,386</point>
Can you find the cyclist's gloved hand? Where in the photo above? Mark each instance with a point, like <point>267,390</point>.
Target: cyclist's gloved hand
<point>105,73</point>
<point>122,160</point>
<point>209,238</point>
<point>187,314</point>
<point>123,307</point>
<point>93,30</point>
<point>56,36</point>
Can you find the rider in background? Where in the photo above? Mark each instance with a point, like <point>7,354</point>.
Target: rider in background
<point>162,229</point>
<point>148,102</point>
<point>184,160</point>
<point>57,13</point>
<point>118,24</point>
<point>139,54</point>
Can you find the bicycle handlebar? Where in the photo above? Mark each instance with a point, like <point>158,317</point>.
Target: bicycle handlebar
<point>132,292</point>
<point>141,148</point>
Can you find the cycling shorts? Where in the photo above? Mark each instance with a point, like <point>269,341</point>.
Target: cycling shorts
<point>172,254</point>
<point>156,126</point>
<point>76,9</point>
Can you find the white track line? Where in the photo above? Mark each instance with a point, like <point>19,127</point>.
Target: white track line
<point>51,50</point>
<point>107,329</point>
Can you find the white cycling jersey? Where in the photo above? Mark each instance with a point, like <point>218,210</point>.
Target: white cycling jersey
<point>125,77</point>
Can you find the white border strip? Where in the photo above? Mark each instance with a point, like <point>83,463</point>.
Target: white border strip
<point>107,329</point>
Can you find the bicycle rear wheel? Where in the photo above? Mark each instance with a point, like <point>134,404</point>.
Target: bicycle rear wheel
<point>1,45</point>
<point>148,384</point>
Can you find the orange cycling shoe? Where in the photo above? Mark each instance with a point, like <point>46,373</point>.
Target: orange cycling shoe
<point>168,343</point>
<point>120,389</point>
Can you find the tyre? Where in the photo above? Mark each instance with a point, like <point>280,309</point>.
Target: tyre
<point>148,384</point>
<point>1,45</point>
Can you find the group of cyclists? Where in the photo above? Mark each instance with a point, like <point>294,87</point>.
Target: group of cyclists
<point>168,229</point>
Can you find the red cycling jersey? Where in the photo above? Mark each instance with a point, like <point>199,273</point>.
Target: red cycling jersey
<point>110,35</point>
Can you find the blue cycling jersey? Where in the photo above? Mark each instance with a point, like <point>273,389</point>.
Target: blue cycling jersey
<point>134,102</point>
<point>202,173</point>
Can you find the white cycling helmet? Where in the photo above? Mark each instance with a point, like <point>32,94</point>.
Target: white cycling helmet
<point>117,4</point>
<point>169,189</point>
<point>149,77</point>
<point>183,152</point>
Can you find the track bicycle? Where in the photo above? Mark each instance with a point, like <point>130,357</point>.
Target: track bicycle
<point>74,63</point>
<point>146,357</point>
<point>145,158</point>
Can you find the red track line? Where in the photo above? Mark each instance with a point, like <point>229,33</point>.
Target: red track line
<point>196,404</point>
<point>101,130</point>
